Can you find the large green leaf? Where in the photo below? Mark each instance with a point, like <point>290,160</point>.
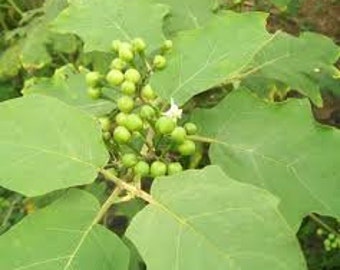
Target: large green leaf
<point>47,145</point>
<point>298,62</point>
<point>68,85</point>
<point>278,147</point>
<point>188,14</point>
<point>62,236</point>
<point>205,220</point>
<point>202,59</point>
<point>98,22</point>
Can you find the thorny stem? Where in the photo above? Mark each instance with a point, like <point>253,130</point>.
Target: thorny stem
<point>323,224</point>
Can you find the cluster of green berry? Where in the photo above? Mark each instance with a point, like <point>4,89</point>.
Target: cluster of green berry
<point>145,139</point>
<point>331,240</point>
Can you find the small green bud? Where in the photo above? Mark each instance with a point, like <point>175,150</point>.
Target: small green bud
<point>174,167</point>
<point>132,75</point>
<point>142,169</point>
<point>92,78</point>
<point>158,168</point>
<point>191,128</point>
<point>129,160</point>
<point>165,125</point>
<point>147,93</point>
<point>128,88</point>
<point>125,104</point>
<point>133,122</point>
<point>121,134</point>
<point>147,112</point>
<point>118,63</point>
<point>159,61</point>
<point>105,123</point>
<point>178,135</point>
<point>94,93</point>
<point>115,77</point>
<point>187,148</point>
<point>138,45</point>
<point>121,118</point>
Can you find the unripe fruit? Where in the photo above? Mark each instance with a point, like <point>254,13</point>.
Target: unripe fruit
<point>121,134</point>
<point>125,54</point>
<point>115,77</point>
<point>147,93</point>
<point>121,118</point>
<point>191,128</point>
<point>158,168</point>
<point>159,61</point>
<point>92,78</point>
<point>105,123</point>
<point>142,168</point>
<point>138,45</point>
<point>125,104</point>
<point>133,122</point>
<point>107,135</point>
<point>174,167</point>
<point>178,135</point>
<point>165,125</point>
<point>132,75</point>
<point>187,148</point>
<point>147,112</point>
<point>94,93</point>
<point>116,45</point>
<point>118,63</point>
<point>129,160</point>
<point>167,45</point>
<point>128,88</point>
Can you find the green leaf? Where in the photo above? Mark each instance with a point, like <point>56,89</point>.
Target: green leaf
<point>68,85</point>
<point>187,14</point>
<point>47,145</point>
<point>201,59</point>
<point>206,220</point>
<point>278,147</point>
<point>297,62</point>
<point>63,236</point>
<point>99,22</point>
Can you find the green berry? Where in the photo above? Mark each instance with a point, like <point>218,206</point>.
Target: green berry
<point>174,167</point>
<point>116,45</point>
<point>133,122</point>
<point>167,45</point>
<point>147,112</point>
<point>142,168</point>
<point>191,128</point>
<point>319,232</point>
<point>121,118</point>
<point>147,93</point>
<point>118,63</point>
<point>138,45</point>
<point>121,134</point>
<point>132,75</point>
<point>165,125</point>
<point>125,54</point>
<point>331,236</point>
<point>94,93</point>
<point>187,148</point>
<point>159,61</point>
<point>105,123</point>
<point>125,104</point>
<point>92,78</point>
<point>115,77</point>
<point>178,135</point>
<point>128,88</point>
<point>129,160</point>
<point>106,135</point>
<point>158,168</point>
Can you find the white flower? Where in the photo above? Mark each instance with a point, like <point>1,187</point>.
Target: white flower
<point>174,112</point>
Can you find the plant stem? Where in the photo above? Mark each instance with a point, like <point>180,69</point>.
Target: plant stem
<point>203,139</point>
<point>130,188</point>
<point>323,224</point>
<point>16,7</point>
